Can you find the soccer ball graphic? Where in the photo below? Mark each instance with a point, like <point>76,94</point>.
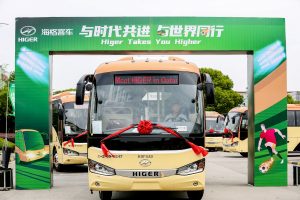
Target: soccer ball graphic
<point>263,169</point>
<point>266,166</point>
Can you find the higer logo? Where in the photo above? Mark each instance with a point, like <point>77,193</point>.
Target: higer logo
<point>27,32</point>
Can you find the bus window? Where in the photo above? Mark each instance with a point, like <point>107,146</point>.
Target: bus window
<point>298,118</point>
<point>126,104</point>
<point>232,121</point>
<point>33,140</point>
<point>291,118</point>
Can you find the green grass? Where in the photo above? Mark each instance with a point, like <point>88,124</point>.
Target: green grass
<point>9,144</point>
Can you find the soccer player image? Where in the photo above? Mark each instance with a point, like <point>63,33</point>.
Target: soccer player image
<point>270,139</point>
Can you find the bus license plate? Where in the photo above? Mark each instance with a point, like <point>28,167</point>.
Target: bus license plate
<point>146,174</point>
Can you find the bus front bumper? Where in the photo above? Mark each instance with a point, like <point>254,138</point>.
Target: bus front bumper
<point>171,183</point>
<point>214,142</point>
<point>230,149</point>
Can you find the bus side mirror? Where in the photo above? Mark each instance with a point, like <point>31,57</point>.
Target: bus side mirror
<point>209,89</point>
<point>81,86</point>
<point>233,120</point>
<point>61,112</point>
<point>220,117</point>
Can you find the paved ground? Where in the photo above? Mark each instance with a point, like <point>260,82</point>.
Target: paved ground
<point>226,179</point>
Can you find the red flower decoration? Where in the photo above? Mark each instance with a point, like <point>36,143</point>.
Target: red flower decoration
<point>211,130</point>
<point>145,127</point>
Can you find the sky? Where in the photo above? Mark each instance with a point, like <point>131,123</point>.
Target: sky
<point>288,9</point>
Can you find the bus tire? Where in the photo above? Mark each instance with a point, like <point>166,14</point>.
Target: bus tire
<point>105,195</point>
<point>56,165</point>
<point>195,195</point>
<point>244,154</point>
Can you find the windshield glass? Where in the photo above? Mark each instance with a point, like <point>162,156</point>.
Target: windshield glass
<point>33,140</point>
<point>75,117</point>
<point>232,121</point>
<point>172,105</point>
<point>211,123</point>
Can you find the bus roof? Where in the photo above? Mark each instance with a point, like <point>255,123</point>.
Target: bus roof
<point>239,109</point>
<point>293,106</point>
<point>67,97</point>
<point>129,64</point>
<point>212,114</point>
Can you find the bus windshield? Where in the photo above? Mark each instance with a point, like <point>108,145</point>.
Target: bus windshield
<point>211,123</point>
<point>76,118</point>
<point>174,105</point>
<point>33,140</point>
<point>232,121</point>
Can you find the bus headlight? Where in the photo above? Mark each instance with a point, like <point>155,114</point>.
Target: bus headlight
<point>70,152</point>
<point>193,168</point>
<point>101,169</point>
<point>31,156</point>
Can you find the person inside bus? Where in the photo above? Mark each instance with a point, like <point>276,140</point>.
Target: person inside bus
<point>176,115</point>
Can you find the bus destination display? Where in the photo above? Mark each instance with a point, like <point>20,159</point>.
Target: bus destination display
<point>138,79</point>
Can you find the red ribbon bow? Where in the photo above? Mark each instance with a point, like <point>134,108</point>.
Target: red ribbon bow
<point>145,127</point>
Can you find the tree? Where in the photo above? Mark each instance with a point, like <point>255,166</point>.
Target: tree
<point>290,99</point>
<point>226,98</point>
<point>60,91</point>
<point>3,99</point>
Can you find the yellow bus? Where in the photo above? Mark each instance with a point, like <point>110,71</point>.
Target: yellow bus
<point>158,106</point>
<point>69,121</point>
<point>214,131</point>
<point>235,137</point>
<point>293,127</point>
<point>31,146</point>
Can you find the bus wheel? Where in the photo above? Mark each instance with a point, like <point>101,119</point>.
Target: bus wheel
<point>244,154</point>
<point>195,195</point>
<point>105,195</point>
<point>58,167</point>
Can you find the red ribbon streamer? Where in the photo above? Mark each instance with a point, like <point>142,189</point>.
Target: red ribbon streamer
<point>145,126</point>
<point>197,149</point>
<point>72,139</point>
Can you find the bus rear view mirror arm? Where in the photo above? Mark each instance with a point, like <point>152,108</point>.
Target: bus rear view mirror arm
<point>83,83</point>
